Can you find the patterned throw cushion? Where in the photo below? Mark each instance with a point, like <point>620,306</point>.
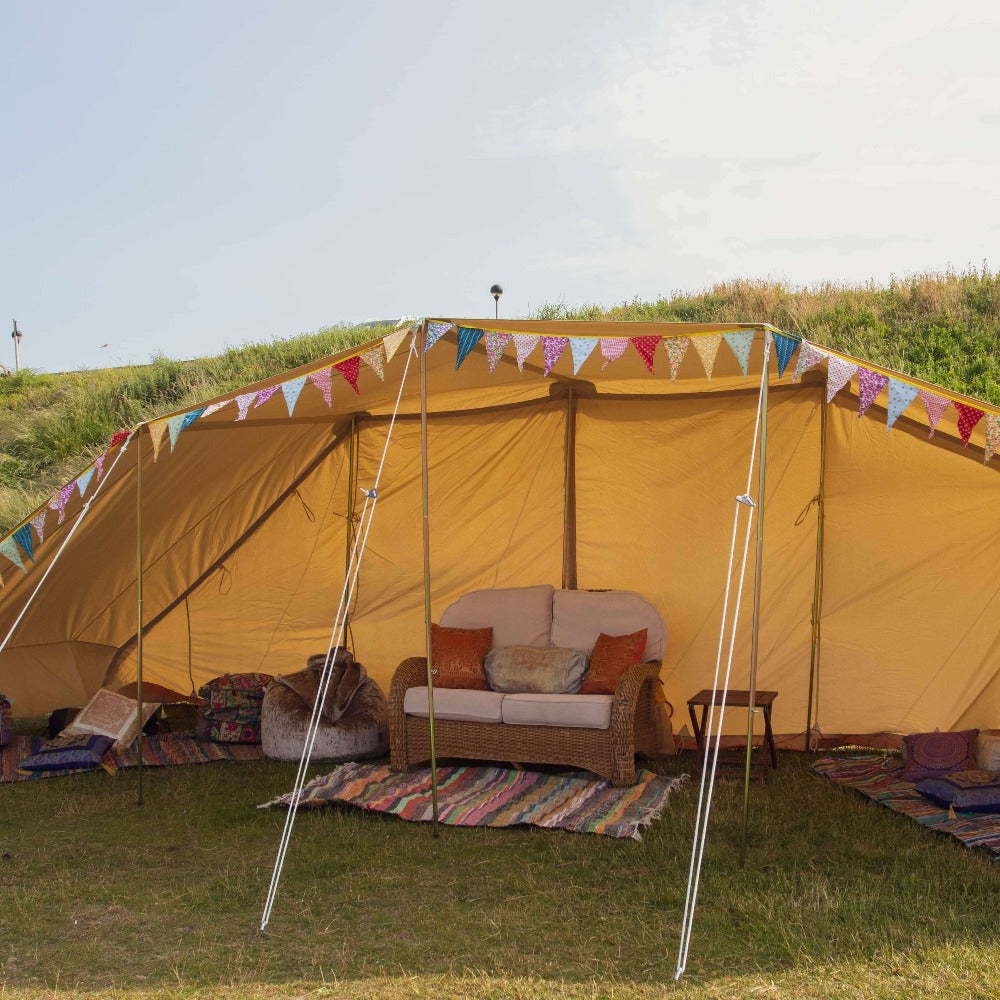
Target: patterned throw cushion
<point>987,750</point>
<point>964,791</point>
<point>611,657</point>
<point>929,755</point>
<point>457,656</point>
<point>68,752</point>
<point>235,691</point>
<point>110,714</point>
<point>531,670</point>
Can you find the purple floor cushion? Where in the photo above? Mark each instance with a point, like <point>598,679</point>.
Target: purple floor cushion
<point>964,791</point>
<point>68,753</point>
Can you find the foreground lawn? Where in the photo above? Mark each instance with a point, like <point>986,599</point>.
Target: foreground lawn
<point>99,897</point>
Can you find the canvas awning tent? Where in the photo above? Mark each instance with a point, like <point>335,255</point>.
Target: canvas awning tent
<point>611,476</point>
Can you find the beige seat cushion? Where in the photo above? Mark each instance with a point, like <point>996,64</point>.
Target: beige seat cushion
<point>580,616</point>
<point>583,711</point>
<point>519,616</point>
<point>455,704</point>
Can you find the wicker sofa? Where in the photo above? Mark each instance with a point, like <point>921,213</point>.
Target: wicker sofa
<point>598,733</point>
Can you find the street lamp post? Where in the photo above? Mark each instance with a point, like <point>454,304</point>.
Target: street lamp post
<point>16,337</point>
<point>496,291</point>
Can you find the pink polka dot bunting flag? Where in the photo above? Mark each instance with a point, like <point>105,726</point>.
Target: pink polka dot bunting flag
<point>552,349</point>
<point>215,407</point>
<point>708,349</point>
<point>264,395</point>
<point>612,348</point>
<point>38,523</point>
<point>935,406</point>
<point>243,403</point>
<point>496,344</point>
<point>740,343</point>
<point>968,417</point>
<point>581,349</point>
<point>59,501</point>
<point>646,346</point>
<point>524,344</point>
<point>322,380</point>
<point>809,357</point>
<point>349,369</point>
<point>870,384</point>
<point>901,394</point>
<point>838,373</point>
<point>992,435</point>
<point>676,348</point>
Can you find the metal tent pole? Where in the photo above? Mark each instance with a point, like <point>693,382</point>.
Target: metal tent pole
<point>817,607</point>
<point>422,348</point>
<point>138,591</point>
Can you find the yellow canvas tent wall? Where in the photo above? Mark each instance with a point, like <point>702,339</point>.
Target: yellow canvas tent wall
<point>611,477</point>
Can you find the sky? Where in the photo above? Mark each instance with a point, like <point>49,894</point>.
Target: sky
<point>180,178</point>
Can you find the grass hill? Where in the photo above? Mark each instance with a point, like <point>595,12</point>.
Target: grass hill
<point>944,328</point>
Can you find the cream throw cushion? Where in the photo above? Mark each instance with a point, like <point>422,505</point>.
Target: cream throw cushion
<point>528,669</point>
<point>110,714</point>
<point>988,750</point>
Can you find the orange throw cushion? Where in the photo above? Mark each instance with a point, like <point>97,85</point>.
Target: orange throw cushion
<point>612,656</point>
<point>457,656</point>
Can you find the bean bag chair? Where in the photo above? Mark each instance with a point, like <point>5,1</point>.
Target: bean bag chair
<point>354,724</point>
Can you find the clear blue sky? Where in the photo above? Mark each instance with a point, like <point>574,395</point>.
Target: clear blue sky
<point>181,177</point>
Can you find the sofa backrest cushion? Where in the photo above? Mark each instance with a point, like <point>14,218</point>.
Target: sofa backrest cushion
<point>580,616</point>
<point>519,616</point>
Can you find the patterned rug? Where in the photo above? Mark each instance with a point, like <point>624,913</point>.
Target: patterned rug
<point>496,796</point>
<point>880,779</point>
<point>157,751</point>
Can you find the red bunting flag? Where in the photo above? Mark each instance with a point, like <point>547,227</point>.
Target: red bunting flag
<point>646,346</point>
<point>349,369</point>
<point>968,417</point>
<point>117,438</point>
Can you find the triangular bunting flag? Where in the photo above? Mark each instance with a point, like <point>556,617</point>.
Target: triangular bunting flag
<point>809,357</point>
<point>59,501</point>
<point>190,417</point>
<point>935,406</point>
<point>901,394</point>
<point>740,343</point>
<point>524,344</point>
<point>612,348</point>
<point>215,407</point>
<point>375,359</point>
<point>496,344</point>
<point>581,348</point>
<point>82,482</point>
<point>676,348</point>
<point>264,395</point>
<point>291,390</point>
<point>99,465</point>
<point>435,331</point>
<point>23,538</point>
<point>117,438</point>
<point>552,348</point>
<point>468,337</point>
<point>175,426</point>
<point>8,547</point>
<point>38,523</point>
<point>243,401</point>
<point>646,346</point>
<point>708,348</point>
<point>784,348</point>
<point>992,435</point>
<point>323,381</point>
<point>156,431</point>
<point>870,384</point>
<point>838,373</point>
<point>968,417</point>
<point>392,341</point>
<point>349,369</point>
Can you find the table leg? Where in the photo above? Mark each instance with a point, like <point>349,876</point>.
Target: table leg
<point>695,727</point>
<point>769,736</point>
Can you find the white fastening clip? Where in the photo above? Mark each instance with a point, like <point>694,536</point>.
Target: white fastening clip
<point>746,500</point>
<point>371,494</point>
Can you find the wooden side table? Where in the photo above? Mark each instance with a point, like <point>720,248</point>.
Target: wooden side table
<point>734,699</point>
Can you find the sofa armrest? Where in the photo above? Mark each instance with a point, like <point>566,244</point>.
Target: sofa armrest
<point>412,672</point>
<point>628,692</point>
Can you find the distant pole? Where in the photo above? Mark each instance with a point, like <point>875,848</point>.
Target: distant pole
<point>16,337</point>
<point>496,291</point>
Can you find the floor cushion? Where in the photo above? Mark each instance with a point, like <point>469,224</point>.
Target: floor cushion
<point>964,791</point>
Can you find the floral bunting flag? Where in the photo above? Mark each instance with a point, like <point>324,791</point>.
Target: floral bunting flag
<point>157,429</point>
<point>524,344</point>
<point>264,395</point>
<point>215,407</point>
<point>496,344</point>
<point>468,337</point>
<point>176,424</point>
<point>59,501</point>
<point>552,349</point>
<point>581,349</point>
<point>740,343</point>
<point>612,348</point>
<point>809,357</point>
<point>935,406</point>
<point>708,348</point>
<point>323,381</point>
<point>676,348</point>
<point>38,523</point>
<point>291,390</point>
<point>99,465</point>
<point>243,401</point>
<point>8,547</point>
<point>349,369</point>
<point>646,346</point>
<point>391,342</point>
<point>901,394</point>
<point>838,373</point>
<point>435,331</point>
<point>784,348</point>
<point>375,359</point>
<point>83,481</point>
<point>870,384</point>
<point>968,417</point>
<point>23,538</point>
<point>992,435</point>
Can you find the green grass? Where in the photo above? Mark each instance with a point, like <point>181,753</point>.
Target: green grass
<point>839,898</point>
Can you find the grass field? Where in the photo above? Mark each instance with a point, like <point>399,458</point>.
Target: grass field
<point>839,898</point>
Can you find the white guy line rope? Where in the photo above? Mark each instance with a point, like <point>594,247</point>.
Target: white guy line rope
<point>336,638</point>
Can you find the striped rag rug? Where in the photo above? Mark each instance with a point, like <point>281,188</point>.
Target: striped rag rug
<point>879,778</point>
<point>163,750</point>
<point>496,796</point>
